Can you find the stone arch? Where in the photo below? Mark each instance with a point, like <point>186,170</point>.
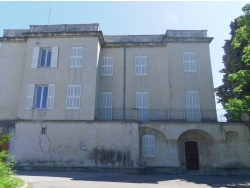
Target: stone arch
<point>160,147</point>
<point>204,145</point>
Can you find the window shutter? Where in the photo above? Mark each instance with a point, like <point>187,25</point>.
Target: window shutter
<point>30,96</point>
<point>141,63</point>
<point>193,106</point>
<point>35,57</point>
<point>54,56</point>
<point>148,145</point>
<point>189,61</point>
<point>51,96</point>
<point>106,104</point>
<point>142,100</point>
<point>73,100</point>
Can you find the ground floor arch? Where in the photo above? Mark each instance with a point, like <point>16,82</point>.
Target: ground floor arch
<point>195,150</point>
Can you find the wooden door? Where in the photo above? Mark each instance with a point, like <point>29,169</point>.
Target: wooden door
<point>192,155</point>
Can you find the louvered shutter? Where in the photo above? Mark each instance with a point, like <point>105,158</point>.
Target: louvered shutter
<point>35,57</point>
<point>141,63</point>
<point>142,103</point>
<point>51,96</point>
<point>148,143</point>
<point>30,96</point>
<point>106,105</point>
<point>73,100</point>
<point>189,61</point>
<point>142,100</point>
<point>193,106</point>
<point>54,56</point>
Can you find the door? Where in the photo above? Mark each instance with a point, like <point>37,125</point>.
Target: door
<point>192,155</point>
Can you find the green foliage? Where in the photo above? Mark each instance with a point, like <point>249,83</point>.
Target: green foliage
<point>234,93</point>
<point>8,178</point>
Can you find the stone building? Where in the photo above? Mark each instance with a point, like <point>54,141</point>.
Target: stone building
<point>72,96</point>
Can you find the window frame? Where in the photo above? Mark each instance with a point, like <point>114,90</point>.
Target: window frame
<point>141,68</point>
<point>37,57</point>
<point>76,57</point>
<point>32,97</point>
<point>189,64</point>
<point>75,98</point>
<point>47,51</point>
<point>41,97</point>
<point>106,67</point>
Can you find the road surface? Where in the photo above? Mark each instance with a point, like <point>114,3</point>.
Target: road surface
<point>55,179</point>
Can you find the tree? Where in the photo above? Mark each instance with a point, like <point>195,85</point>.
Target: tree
<point>234,93</point>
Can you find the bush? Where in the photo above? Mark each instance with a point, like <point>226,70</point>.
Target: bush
<point>8,179</point>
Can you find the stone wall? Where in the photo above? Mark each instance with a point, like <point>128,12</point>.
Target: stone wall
<point>119,144</point>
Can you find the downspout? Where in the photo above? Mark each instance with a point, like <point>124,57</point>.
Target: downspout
<point>124,82</point>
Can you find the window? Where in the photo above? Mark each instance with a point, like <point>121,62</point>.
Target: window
<point>148,146</point>
<point>73,100</point>
<point>189,61</point>
<point>141,63</point>
<point>107,66</point>
<point>44,57</point>
<point>106,104</point>
<point>193,106</point>
<point>76,57</point>
<point>142,103</point>
<point>40,96</point>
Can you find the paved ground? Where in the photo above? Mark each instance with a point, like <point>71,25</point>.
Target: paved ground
<point>45,179</point>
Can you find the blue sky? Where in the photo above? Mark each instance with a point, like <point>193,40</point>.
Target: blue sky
<point>131,18</point>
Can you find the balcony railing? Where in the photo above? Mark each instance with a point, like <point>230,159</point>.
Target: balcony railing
<point>145,115</point>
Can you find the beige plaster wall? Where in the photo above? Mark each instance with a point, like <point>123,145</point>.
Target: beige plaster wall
<point>61,76</point>
<point>12,56</point>
<point>219,144</point>
<point>61,145</point>
<point>181,81</point>
<point>156,83</point>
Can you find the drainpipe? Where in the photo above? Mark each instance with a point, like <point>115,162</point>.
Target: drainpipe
<point>124,82</point>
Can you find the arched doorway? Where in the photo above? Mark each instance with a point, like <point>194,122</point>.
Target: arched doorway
<point>195,150</point>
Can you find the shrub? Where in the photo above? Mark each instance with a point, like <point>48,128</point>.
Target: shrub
<point>8,178</point>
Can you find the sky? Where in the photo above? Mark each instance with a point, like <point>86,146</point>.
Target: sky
<point>132,18</point>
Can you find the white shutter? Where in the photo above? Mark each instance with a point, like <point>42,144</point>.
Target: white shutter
<point>141,65</point>
<point>142,100</point>
<point>35,57</point>
<point>106,105</point>
<point>76,57</point>
<point>142,103</point>
<point>30,96</point>
<point>51,96</point>
<point>106,99</point>
<point>193,106</point>
<point>148,145</point>
<point>107,66</point>
<point>54,56</point>
<point>73,100</point>
<point>189,61</point>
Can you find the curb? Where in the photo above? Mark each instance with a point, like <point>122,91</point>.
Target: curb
<point>26,185</point>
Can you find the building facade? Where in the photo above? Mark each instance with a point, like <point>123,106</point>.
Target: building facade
<point>70,94</point>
